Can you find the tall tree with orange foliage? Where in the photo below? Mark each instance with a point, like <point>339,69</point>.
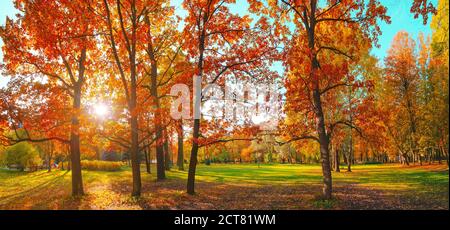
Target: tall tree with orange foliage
<point>123,20</point>
<point>221,43</point>
<point>318,27</point>
<point>327,41</point>
<point>54,39</point>
<point>403,76</point>
<point>162,47</point>
<point>143,50</point>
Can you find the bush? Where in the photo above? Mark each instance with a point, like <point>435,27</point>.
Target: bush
<point>21,156</point>
<point>101,165</point>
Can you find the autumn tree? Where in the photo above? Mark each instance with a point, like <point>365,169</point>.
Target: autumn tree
<point>221,43</point>
<point>314,75</point>
<point>422,8</point>
<point>438,63</point>
<point>56,40</point>
<point>165,64</point>
<point>402,73</point>
<point>124,20</point>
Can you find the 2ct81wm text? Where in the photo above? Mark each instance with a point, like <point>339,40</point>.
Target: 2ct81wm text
<point>226,220</point>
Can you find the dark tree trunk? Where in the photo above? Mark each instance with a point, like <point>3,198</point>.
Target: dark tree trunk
<point>149,155</point>
<point>332,157</point>
<point>77,181</point>
<point>157,120</point>
<point>50,154</point>
<point>69,165</point>
<point>317,102</point>
<point>135,164</point>
<point>349,160</point>
<point>447,158</point>
<point>147,161</point>
<point>180,157</point>
<point>197,113</point>
<point>443,153</point>
<point>336,160</point>
<point>193,159</point>
<point>367,156</point>
<point>160,171</point>
<point>405,158</point>
<point>167,162</point>
<point>324,146</point>
<point>134,151</point>
<point>439,156</point>
<point>429,153</point>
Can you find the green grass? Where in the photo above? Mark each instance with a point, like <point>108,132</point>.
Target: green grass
<point>229,186</point>
<point>383,176</point>
<point>251,173</point>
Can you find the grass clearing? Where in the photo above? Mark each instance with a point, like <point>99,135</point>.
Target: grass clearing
<point>234,186</point>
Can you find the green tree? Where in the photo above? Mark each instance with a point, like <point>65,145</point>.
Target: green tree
<point>23,155</point>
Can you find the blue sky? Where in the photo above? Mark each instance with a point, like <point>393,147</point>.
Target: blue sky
<point>402,19</point>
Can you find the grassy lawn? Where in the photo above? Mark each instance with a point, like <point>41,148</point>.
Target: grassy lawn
<point>235,186</point>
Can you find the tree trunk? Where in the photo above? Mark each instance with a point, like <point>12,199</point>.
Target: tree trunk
<point>317,102</point>
<point>197,114</point>
<point>147,162</point>
<point>446,154</point>
<point>350,159</point>
<point>50,154</point>
<point>443,153</point>
<point>336,160</point>
<point>333,157</point>
<point>131,91</point>
<point>132,106</point>
<point>324,146</point>
<point>134,151</point>
<point>180,157</point>
<point>149,155</point>
<point>135,164</point>
<point>429,155</point>
<point>367,156</point>
<point>157,120</point>
<point>193,159</point>
<point>405,158</point>
<point>77,181</point>
<point>160,172</point>
<point>69,165</point>
<point>167,162</point>
<point>419,158</point>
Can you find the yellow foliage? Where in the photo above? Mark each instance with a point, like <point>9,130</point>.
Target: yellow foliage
<point>101,165</point>
<point>246,153</point>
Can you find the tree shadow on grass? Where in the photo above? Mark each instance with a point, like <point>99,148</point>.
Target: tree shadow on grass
<point>234,191</point>
<point>37,194</point>
<point>33,189</point>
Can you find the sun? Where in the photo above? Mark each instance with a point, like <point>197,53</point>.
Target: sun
<point>101,110</point>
